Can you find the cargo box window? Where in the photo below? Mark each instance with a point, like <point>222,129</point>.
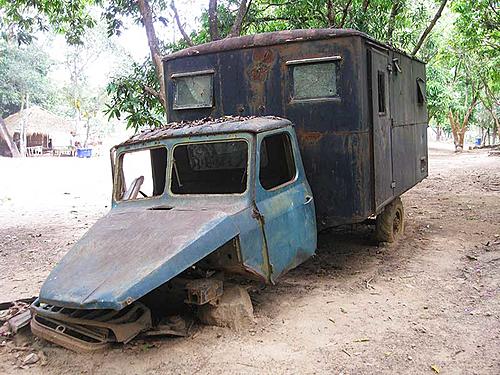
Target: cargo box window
<point>210,168</point>
<point>381,92</point>
<point>277,166</point>
<point>312,80</point>
<point>193,90</point>
<point>142,174</point>
<point>420,91</point>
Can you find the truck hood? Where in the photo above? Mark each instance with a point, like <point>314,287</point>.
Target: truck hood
<point>128,253</point>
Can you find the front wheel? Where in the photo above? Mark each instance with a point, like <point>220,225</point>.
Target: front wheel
<point>391,222</point>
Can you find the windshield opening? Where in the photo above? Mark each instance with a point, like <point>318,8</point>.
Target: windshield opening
<point>210,168</point>
<point>143,173</point>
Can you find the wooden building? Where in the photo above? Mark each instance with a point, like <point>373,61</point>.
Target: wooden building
<point>44,131</point>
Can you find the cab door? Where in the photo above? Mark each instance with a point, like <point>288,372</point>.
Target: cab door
<point>382,127</point>
<point>285,202</point>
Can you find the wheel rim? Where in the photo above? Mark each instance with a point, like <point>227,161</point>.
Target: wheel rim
<point>397,223</point>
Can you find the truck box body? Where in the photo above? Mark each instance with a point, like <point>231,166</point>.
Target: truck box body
<point>361,122</point>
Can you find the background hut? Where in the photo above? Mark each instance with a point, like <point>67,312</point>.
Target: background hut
<point>45,131</point>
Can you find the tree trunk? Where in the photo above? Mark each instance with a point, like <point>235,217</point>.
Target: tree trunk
<point>22,135</point>
<point>8,139</point>
<point>240,17</point>
<point>213,24</point>
<point>496,127</point>
<point>454,130</point>
<point>459,128</point>
<point>147,20</point>
<point>429,27</point>
<point>87,134</point>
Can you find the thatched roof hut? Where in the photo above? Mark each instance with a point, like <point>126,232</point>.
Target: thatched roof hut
<point>43,128</point>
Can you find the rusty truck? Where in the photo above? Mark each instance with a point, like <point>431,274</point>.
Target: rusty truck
<point>269,139</point>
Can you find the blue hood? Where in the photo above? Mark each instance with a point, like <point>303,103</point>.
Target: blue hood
<point>128,253</point>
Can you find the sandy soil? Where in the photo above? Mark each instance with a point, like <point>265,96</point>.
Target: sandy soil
<point>432,299</point>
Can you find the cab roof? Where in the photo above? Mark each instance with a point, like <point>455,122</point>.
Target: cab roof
<point>209,126</point>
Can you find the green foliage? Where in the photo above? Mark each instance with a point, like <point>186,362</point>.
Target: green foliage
<point>23,71</point>
<point>465,64</point>
<point>411,17</point>
<point>129,97</point>
<point>20,19</point>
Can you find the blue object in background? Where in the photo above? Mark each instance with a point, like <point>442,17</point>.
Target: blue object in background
<point>83,152</point>
<point>478,141</point>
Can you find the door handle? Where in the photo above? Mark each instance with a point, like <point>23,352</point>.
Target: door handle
<point>309,199</point>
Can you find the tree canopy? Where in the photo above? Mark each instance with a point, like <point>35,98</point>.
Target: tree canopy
<point>23,75</point>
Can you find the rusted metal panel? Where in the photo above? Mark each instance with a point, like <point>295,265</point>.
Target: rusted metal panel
<point>203,291</point>
<point>89,330</point>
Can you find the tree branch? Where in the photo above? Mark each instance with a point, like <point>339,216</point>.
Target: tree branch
<point>330,14</point>
<point>212,20</point>
<point>396,8</point>
<point>147,20</point>
<point>151,91</point>
<point>429,28</point>
<point>185,36</point>
<point>469,111</point>
<point>345,12</point>
<point>366,4</point>
<point>240,17</point>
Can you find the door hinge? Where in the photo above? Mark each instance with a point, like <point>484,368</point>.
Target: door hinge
<point>393,184</point>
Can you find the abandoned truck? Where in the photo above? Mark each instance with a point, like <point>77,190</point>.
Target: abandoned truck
<point>269,138</point>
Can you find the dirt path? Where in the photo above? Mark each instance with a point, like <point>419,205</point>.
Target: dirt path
<point>355,308</point>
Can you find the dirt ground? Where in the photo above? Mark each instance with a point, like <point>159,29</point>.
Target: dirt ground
<point>432,299</point>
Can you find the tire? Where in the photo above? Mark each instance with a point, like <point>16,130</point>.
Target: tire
<point>390,223</point>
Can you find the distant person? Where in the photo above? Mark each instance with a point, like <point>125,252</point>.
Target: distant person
<point>50,143</point>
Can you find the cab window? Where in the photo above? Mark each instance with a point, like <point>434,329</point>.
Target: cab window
<point>277,165</point>
<point>142,173</point>
<point>210,168</point>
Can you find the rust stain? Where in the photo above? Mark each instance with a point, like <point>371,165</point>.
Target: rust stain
<point>263,59</point>
<point>309,138</point>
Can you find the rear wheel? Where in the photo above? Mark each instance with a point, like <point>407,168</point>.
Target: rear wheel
<point>391,222</point>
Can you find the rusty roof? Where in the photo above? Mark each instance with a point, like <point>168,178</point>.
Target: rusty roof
<point>209,126</point>
<point>274,38</point>
<point>264,39</point>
